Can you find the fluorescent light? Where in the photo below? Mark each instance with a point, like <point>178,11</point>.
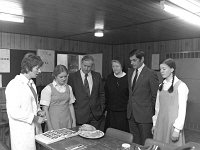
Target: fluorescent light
<point>190,5</point>
<point>179,12</point>
<point>98,33</point>
<point>99,25</point>
<point>10,7</point>
<point>11,18</point>
<point>11,11</point>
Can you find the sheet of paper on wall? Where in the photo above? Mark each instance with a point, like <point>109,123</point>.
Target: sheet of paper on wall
<point>155,61</point>
<point>4,60</point>
<point>0,80</point>
<point>62,59</point>
<point>47,57</point>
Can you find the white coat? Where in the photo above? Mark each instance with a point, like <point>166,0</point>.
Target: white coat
<point>21,108</point>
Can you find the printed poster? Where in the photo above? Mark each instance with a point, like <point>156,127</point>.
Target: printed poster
<point>47,57</point>
<point>4,60</point>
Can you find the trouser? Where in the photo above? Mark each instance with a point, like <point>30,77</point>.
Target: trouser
<point>140,131</point>
<point>98,124</point>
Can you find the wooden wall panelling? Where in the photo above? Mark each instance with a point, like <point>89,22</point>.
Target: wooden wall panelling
<point>22,41</point>
<point>17,44</point>
<point>0,39</point>
<point>198,47</point>
<point>107,57</point>
<point>126,51</point>
<point>66,45</point>
<point>5,40</point>
<point>12,41</point>
<point>33,42</point>
<point>29,42</point>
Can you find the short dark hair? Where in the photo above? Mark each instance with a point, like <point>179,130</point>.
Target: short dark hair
<point>29,61</point>
<point>59,69</point>
<point>138,53</point>
<point>87,57</point>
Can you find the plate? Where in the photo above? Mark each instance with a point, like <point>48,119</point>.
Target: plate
<point>91,134</point>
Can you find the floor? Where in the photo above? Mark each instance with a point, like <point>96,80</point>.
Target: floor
<point>192,136</point>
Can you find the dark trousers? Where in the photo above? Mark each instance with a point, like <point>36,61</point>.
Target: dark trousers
<point>140,131</point>
<point>98,124</point>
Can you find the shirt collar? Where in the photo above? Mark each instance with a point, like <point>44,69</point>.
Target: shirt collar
<point>83,74</point>
<point>170,81</point>
<point>24,79</point>
<point>56,84</point>
<point>121,75</point>
<point>141,67</point>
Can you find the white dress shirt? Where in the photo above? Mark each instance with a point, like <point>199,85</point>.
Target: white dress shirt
<point>89,78</point>
<point>182,102</point>
<point>139,71</point>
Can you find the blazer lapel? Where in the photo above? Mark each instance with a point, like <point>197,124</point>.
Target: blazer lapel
<point>79,80</point>
<point>94,82</point>
<point>130,78</point>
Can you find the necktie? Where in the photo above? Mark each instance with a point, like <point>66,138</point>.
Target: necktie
<point>135,78</point>
<point>33,90</point>
<point>86,85</point>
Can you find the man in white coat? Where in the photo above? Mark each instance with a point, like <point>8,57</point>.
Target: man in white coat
<point>22,105</point>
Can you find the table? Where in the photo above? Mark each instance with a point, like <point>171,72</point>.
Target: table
<point>104,143</point>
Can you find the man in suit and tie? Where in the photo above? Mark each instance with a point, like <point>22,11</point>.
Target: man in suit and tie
<point>88,91</point>
<point>143,86</point>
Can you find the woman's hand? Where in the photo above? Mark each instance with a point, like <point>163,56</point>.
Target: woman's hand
<point>175,135</point>
<point>41,113</point>
<point>152,129</point>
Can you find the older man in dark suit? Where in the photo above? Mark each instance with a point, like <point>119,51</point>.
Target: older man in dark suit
<point>88,91</point>
<point>143,86</point>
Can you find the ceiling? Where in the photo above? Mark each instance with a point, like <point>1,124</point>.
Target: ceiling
<point>125,21</point>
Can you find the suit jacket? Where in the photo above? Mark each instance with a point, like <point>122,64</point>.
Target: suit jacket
<point>84,104</point>
<point>142,99</point>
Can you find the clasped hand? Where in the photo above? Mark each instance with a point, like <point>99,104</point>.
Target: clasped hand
<point>41,113</point>
<point>41,116</point>
<point>175,136</point>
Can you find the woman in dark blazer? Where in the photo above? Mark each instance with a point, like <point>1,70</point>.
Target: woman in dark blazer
<point>116,94</point>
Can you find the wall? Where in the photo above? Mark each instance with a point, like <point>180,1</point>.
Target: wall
<point>28,42</point>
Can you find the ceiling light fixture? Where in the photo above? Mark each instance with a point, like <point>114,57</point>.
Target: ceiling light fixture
<point>11,11</point>
<point>190,5</point>
<point>180,12</point>
<point>11,18</point>
<point>98,33</point>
